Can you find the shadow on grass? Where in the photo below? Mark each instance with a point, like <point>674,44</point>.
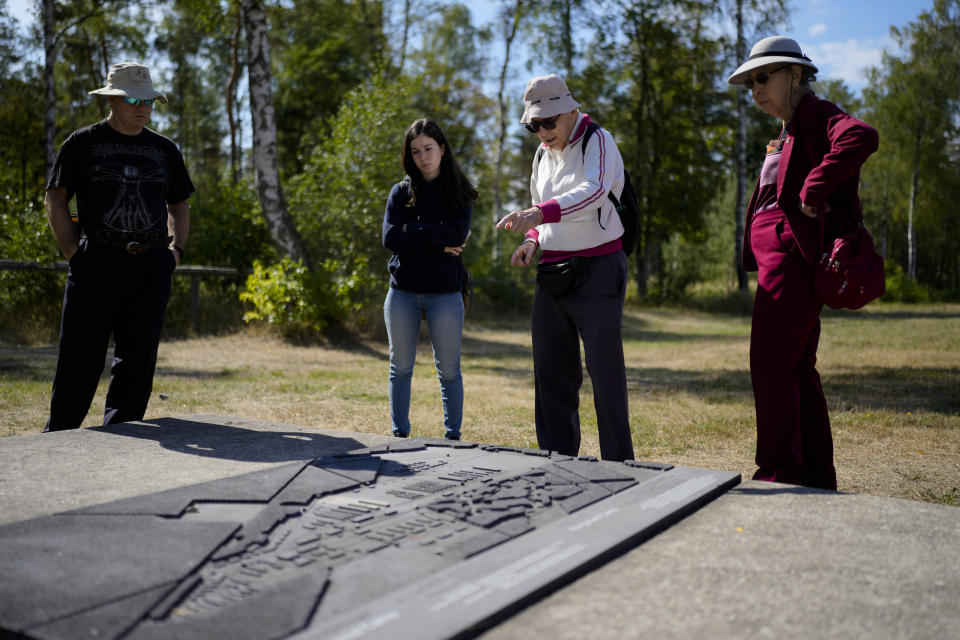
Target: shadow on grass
<point>39,365</point>
<point>896,389</point>
<point>892,314</point>
<point>197,374</point>
<point>873,389</point>
<point>28,364</point>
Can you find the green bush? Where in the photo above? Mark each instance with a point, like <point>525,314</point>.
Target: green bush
<point>29,300</point>
<point>337,202</point>
<point>903,288</point>
<point>296,300</point>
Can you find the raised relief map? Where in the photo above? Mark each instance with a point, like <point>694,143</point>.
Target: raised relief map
<point>418,539</point>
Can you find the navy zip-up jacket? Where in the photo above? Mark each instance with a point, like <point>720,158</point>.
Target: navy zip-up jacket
<point>418,263</point>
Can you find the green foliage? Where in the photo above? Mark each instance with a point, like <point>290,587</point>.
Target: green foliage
<point>226,228</point>
<point>669,118</point>
<point>337,203</point>
<point>195,84</point>
<point>295,300</point>
<point>29,300</point>
<point>321,49</point>
<point>21,149</point>
<point>903,288</point>
<point>701,257</point>
<point>913,100</point>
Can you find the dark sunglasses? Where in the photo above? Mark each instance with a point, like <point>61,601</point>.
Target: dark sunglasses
<point>547,123</point>
<point>762,77</point>
<point>136,101</point>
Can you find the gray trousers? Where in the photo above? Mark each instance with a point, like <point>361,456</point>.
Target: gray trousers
<point>593,312</point>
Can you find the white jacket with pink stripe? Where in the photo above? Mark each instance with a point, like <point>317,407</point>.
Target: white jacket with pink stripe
<point>571,185</point>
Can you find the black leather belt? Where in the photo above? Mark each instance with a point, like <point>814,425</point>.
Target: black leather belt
<point>134,246</point>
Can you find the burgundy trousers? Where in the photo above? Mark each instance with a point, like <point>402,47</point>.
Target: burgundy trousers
<point>794,444</point>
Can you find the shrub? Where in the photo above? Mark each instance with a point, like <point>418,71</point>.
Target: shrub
<point>903,288</point>
<point>294,299</point>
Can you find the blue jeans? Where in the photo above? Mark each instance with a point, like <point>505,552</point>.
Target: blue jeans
<point>402,311</point>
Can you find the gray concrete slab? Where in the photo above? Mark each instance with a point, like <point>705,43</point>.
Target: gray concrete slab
<point>761,561</point>
<point>47,473</point>
<point>771,561</point>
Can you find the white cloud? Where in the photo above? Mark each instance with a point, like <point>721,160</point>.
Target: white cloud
<point>816,30</point>
<point>848,60</point>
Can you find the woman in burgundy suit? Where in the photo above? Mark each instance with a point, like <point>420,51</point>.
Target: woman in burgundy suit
<point>806,196</point>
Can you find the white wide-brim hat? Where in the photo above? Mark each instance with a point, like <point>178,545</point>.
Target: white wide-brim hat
<point>130,79</point>
<point>771,51</point>
<point>547,96</point>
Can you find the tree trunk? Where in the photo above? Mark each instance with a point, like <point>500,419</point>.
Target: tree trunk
<point>50,100</point>
<point>567,39</point>
<point>406,34</point>
<point>911,233</point>
<point>510,24</point>
<point>650,266</point>
<point>232,99</point>
<point>740,207</point>
<point>266,164</point>
<point>912,207</point>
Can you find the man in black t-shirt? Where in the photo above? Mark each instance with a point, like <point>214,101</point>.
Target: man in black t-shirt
<point>133,218</point>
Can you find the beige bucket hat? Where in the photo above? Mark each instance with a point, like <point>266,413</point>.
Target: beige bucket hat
<point>772,50</point>
<point>130,79</point>
<point>547,96</point>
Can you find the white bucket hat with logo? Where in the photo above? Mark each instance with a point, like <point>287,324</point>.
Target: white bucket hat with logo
<point>772,50</point>
<point>130,79</point>
<point>547,96</point>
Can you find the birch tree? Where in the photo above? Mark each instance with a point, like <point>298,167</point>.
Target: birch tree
<point>265,160</point>
<point>511,13</point>
<point>747,16</point>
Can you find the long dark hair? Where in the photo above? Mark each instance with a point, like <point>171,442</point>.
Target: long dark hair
<point>457,190</point>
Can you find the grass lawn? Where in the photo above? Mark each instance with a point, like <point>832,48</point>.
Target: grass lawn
<point>891,374</point>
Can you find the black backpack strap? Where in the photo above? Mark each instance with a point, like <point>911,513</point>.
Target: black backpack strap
<point>591,128</point>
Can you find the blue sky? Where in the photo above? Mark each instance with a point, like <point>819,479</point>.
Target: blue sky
<point>842,37</point>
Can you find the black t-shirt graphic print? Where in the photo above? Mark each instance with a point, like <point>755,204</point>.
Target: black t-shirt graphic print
<point>122,183</point>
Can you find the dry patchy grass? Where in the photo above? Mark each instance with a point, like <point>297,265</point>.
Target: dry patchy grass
<point>891,374</point>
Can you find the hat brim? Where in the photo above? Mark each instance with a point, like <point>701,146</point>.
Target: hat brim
<point>143,95</point>
<point>743,71</point>
<point>549,108</point>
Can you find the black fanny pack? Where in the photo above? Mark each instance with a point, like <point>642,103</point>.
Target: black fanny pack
<point>558,278</point>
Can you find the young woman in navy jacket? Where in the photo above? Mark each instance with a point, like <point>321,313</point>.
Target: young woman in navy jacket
<point>426,224</point>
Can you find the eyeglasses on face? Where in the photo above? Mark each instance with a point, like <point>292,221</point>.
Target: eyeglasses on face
<point>762,77</point>
<point>137,101</point>
<point>547,123</point>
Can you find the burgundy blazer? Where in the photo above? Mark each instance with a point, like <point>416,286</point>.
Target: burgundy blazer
<point>819,164</point>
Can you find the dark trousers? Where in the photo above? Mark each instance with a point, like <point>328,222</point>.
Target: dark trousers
<point>794,444</point>
<point>109,291</point>
<point>592,312</point>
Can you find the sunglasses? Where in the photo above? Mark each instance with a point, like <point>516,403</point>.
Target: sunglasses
<point>547,123</point>
<point>762,77</point>
<point>137,101</point>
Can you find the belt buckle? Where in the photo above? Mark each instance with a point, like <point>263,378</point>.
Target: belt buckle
<point>134,247</point>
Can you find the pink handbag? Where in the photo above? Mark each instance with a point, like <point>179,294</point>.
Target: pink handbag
<point>850,274</point>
